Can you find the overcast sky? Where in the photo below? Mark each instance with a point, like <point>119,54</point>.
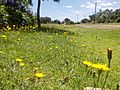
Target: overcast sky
<point>73,8</point>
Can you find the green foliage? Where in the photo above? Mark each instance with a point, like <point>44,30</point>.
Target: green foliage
<point>15,14</point>
<point>56,21</point>
<point>107,16</point>
<point>118,20</point>
<point>85,20</point>
<point>67,21</point>
<point>45,20</point>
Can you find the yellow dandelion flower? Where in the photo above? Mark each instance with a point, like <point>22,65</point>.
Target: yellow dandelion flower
<point>35,68</point>
<point>4,36</point>
<point>71,40</point>
<point>13,25</point>
<point>19,60</point>
<point>63,50</point>
<point>65,33</point>
<point>39,75</point>
<point>75,41</point>
<point>50,48</point>
<point>22,64</point>
<point>87,63</point>
<point>100,67</point>
<point>18,39</point>
<point>56,46</point>
<point>1,52</point>
<point>56,34</point>
<point>9,28</point>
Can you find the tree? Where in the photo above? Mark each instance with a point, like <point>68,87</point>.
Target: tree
<point>67,21</point>
<point>15,12</point>
<point>56,21</point>
<point>85,20</point>
<point>38,13</point>
<point>45,19</point>
<point>118,20</point>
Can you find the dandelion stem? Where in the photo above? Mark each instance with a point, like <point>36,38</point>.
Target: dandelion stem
<point>106,74</point>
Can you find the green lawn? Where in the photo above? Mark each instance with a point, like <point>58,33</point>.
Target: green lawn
<point>58,57</point>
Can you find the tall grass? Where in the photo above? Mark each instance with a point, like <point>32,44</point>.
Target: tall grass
<point>57,56</point>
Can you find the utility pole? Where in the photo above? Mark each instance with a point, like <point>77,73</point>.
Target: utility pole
<point>95,12</point>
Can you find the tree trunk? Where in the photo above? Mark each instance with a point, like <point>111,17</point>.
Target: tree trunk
<point>38,15</point>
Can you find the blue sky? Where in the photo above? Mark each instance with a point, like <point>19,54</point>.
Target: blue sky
<point>73,9</point>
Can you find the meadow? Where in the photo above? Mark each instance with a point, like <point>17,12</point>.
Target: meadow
<point>56,54</point>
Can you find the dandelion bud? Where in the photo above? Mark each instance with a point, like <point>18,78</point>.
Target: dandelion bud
<point>109,53</point>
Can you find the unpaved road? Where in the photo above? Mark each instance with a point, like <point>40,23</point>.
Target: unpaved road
<point>100,26</point>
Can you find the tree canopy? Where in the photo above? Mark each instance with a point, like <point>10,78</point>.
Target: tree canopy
<point>106,16</point>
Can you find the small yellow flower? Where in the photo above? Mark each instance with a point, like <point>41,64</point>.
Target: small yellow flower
<point>13,25</point>
<point>39,75</point>
<point>22,64</point>
<point>87,63</point>
<point>9,28</point>
<point>56,34</point>
<point>75,41</point>
<point>71,40</point>
<point>1,52</point>
<point>35,68</point>
<point>18,39</point>
<point>100,67</point>
<point>19,60</point>
<point>4,36</point>
<point>83,45</point>
<point>63,50</point>
<point>65,33</point>
<point>56,46</point>
<point>50,48</point>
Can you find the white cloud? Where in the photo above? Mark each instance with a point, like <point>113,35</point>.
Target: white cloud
<point>90,5</point>
<point>101,4</point>
<point>67,6</point>
<point>82,6</point>
<point>106,4</point>
<point>114,2</point>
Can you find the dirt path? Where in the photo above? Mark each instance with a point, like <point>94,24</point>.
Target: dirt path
<point>101,26</point>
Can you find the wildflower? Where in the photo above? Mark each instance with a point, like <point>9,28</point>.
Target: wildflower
<point>65,33</point>
<point>18,39</point>
<point>56,34</point>
<point>13,25</point>
<point>22,64</point>
<point>83,45</point>
<point>39,75</point>
<point>87,63</point>
<point>71,40</point>
<point>56,46</point>
<point>50,48</point>
<point>75,41</point>
<point>100,67</point>
<point>19,60</point>
<point>4,36</point>
<point>35,68</point>
<point>63,50</point>
<point>8,28</point>
<point>1,52</point>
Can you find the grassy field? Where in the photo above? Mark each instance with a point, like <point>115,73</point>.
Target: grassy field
<point>58,56</point>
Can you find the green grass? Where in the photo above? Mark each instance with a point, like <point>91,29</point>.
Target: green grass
<point>58,57</point>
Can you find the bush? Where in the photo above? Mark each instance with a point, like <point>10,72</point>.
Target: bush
<point>118,20</point>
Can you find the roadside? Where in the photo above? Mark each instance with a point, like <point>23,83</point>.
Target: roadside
<point>101,26</point>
